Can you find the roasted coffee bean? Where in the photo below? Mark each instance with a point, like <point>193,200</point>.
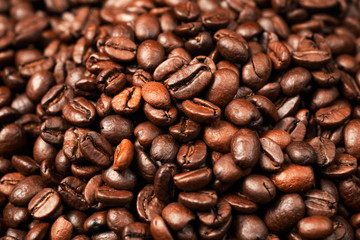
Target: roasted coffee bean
<point>123,155</point>
<point>150,54</point>
<point>115,128</point>
<point>136,231</point>
<point>334,115</point>
<point>193,180</point>
<point>245,148</point>
<point>168,67</point>
<point>12,139</point>
<point>258,188</point>
<point>159,229</point>
<point>25,165</point>
<point>44,203</point>
<point>189,81</point>
<point>112,197</point>
<point>24,191</point>
<point>147,27</point>
<point>79,112</point>
<point>324,149</point>
<point>218,135</point>
<point>146,132</point>
<point>286,211</point>
<point>15,216</point>
<point>121,49</point>
<point>164,148</point>
<point>96,149</point>
<point>301,153</point>
<point>250,227</point>
<point>39,84</point>
<point>89,191</point>
<point>118,218</point>
<point>147,204</point>
<point>71,191</point>
<point>315,227</point>
<point>343,166</point>
<point>9,181</point>
<point>110,81</point>
<point>349,191</point>
<point>192,156</point>
<point>201,200</point>
<point>177,216</point>
<point>351,137</point>
<point>124,180</point>
<point>54,100</point>
<point>241,112</point>
<point>71,145</point>
<point>53,130</point>
<point>160,117</point>
<point>320,202</point>
<point>185,130</point>
<point>226,170</point>
<point>256,71</point>
<point>163,181</point>
<point>156,94</point>
<point>201,110</point>
<point>127,101</point>
<point>294,178</point>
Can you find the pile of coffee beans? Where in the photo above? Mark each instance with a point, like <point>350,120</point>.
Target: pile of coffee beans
<point>179,119</point>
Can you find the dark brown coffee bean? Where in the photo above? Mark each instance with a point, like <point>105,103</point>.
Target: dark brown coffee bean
<point>115,128</point>
<point>89,191</point>
<point>315,227</point>
<point>14,216</point>
<point>294,81</point>
<point>164,148</point>
<point>258,188</point>
<point>201,110</point>
<point>351,137</point>
<point>150,54</point>
<point>38,232</point>
<point>53,130</point>
<point>54,100</point>
<point>44,203</point>
<point>320,202</point>
<point>71,145</point>
<point>233,49</point>
<point>193,180</point>
<point>121,49</point>
<point>71,191</point>
<point>324,149</point>
<point>334,115</point>
<point>9,181</point>
<point>39,84</point>
<point>25,165</point>
<point>216,216</point>
<point>127,101</point>
<point>256,71</point>
<point>226,170</point>
<point>159,229</point>
<point>146,132</point>
<point>177,216</point>
<point>125,180</point>
<point>147,204</point>
<point>189,81</point>
<point>156,94</point>
<point>160,117</point>
<point>136,231</point>
<point>250,227</point>
<point>25,190</point>
<point>118,218</point>
<point>168,67</point>
<point>218,135</point>
<point>343,166</point>
<point>79,111</point>
<point>110,81</point>
<point>242,113</point>
<point>201,201</point>
<point>185,130</point>
<point>146,27</point>
<point>112,197</point>
<point>12,138</point>
<point>192,156</point>
<point>240,203</point>
<point>286,211</point>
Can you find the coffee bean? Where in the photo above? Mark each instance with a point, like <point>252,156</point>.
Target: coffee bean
<point>351,135</point>
<point>177,216</point>
<point>286,211</point>
<point>294,178</point>
<point>121,49</point>
<point>201,200</point>
<point>320,202</point>
<point>127,101</point>
<point>185,130</point>
<point>315,227</point>
<point>189,81</point>
<point>112,197</point>
<point>150,54</point>
<point>201,110</point>
<point>9,181</point>
<point>79,111</point>
<point>123,155</point>
<point>156,95</point>
<point>110,81</point>
<point>24,191</point>
<point>70,190</point>
<point>44,203</point>
<point>193,180</point>
<point>118,218</point>
<point>242,113</point>
<point>147,204</point>
<point>147,27</point>
<point>250,227</point>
